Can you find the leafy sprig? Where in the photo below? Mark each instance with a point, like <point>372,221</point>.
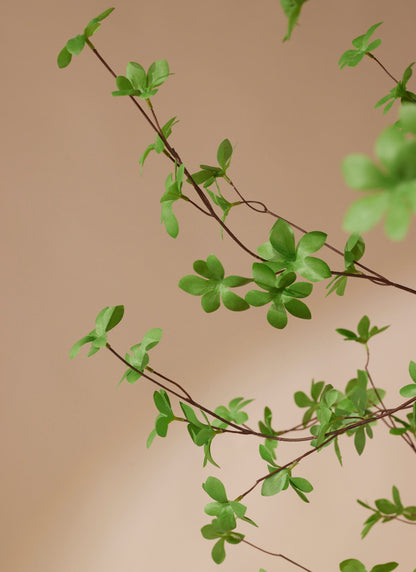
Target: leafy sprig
<point>398,92</point>
<point>106,320</point>
<point>137,82</point>
<point>283,253</point>
<point>386,510</point>
<point>353,251</point>
<point>226,512</point>
<point>159,144</point>
<point>362,47</point>
<point>139,357</point>
<point>212,285</point>
<point>75,45</point>
<point>364,332</point>
<point>283,293</point>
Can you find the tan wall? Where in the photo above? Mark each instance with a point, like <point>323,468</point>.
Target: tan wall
<point>81,230</point>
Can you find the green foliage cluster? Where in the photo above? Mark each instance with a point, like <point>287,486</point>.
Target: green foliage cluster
<point>328,413</point>
<point>387,510</point>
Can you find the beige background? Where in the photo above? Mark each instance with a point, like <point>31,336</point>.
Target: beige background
<point>80,230</point>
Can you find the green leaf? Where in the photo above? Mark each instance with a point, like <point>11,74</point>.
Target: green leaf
<point>311,242</point>
<point>123,83</point>
<point>158,73</point>
<point>151,438</point>
<point>360,173</point>
<point>365,213</point>
<point>215,489</point>
<point>64,58</point>
<point>78,345</point>
<point>210,301</point>
<point>218,552</point>
<point>263,276</point>
<point>359,440</point>
<point>116,317</point>
<point>412,370</point>
<point>137,76</point>
<point>234,302</point>
<point>151,338</point>
<point>408,390</point>
<point>209,532</point>
<point>292,9</point>
<point>224,153</point>
<point>282,239</point>
<point>275,483</point>
<point>301,484</point>
<point>276,316</point>
<point>169,219</point>
<point>385,506</point>
<point>194,285</point>
<point>298,309</point>
<point>384,567</point>
<point>215,267</point>
<point>302,400</point>
<point>352,565</point>
<point>76,45</point>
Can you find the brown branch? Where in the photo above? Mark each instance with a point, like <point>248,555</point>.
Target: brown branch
<point>276,554</point>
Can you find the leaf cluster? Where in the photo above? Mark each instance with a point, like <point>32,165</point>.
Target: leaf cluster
<point>398,92</point>
<point>232,413</point>
<point>202,434</point>
<point>392,186</point>
<point>362,47</point>
<point>137,82</point>
<point>353,565</point>
<point>209,174</point>
<point>212,285</point>
<point>386,510</point>
<point>139,357</point>
<point>106,320</point>
<point>75,45</point>
<point>159,144</point>
<point>282,292</point>
<point>281,478</point>
<point>226,512</point>
<point>353,251</point>
<point>364,332</point>
<point>283,253</point>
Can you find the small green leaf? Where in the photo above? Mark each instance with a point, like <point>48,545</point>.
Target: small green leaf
<point>218,552</point>
<point>365,213</point>
<point>282,239</point>
<point>275,483</point>
<point>215,489</point>
<point>224,153</point>
<point>359,440</point>
<point>408,390</point>
<point>158,73</point>
<point>301,484</point>
<point>136,75</point>
<point>360,173</point>
<point>384,567</point>
<point>352,565</point>
<point>64,58</point>
<point>75,45</point>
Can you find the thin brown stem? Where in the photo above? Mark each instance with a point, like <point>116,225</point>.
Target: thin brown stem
<point>275,554</point>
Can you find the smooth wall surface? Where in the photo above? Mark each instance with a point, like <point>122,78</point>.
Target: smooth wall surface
<point>81,230</point>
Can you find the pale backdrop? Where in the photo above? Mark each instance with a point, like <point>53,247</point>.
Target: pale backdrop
<point>80,230</point>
